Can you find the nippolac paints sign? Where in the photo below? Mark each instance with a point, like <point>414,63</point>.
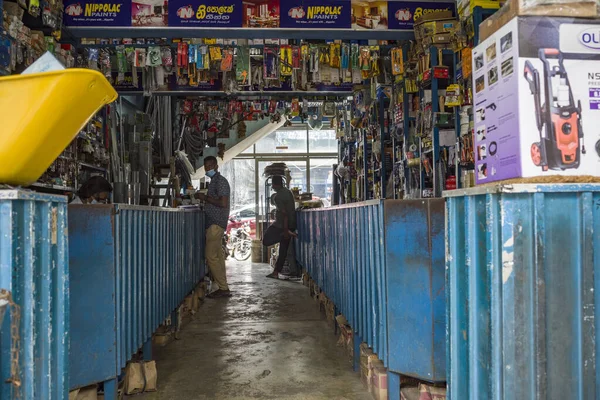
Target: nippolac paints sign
<point>303,14</point>
<point>212,13</point>
<point>93,13</point>
<point>315,14</point>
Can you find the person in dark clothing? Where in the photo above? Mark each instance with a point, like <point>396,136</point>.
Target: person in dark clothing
<point>95,190</point>
<point>282,230</point>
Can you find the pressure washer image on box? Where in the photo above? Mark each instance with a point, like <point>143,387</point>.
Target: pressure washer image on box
<point>558,118</point>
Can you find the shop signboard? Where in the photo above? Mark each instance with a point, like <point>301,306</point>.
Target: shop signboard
<point>402,14</point>
<point>206,13</point>
<point>315,14</point>
<point>294,14</point>
<point>97,13</point>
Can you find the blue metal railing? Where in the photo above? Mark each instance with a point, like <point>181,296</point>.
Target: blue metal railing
<point>382,264</point>
<point>33,269</point>
<point>522,292</point>
<point>349,268</point>
<point>131,267</point>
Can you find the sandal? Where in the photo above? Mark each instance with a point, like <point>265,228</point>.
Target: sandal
<point>273,276</point>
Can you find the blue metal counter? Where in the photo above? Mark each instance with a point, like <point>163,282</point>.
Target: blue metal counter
<point>523,292</point>
<point>33,270</point>
<point>130,267</point>
<point>382,264</point>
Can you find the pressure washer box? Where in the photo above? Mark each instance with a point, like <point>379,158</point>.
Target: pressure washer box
<point>536,84</point>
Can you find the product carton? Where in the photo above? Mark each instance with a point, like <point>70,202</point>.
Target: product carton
<point>366,355</point>
<point>430,28</point>
<point>366,376</point>
<point>346,339</point>
<point>432,392</point>
<point>548,8</point>
<point>379,384</point>
<point>537,100</point>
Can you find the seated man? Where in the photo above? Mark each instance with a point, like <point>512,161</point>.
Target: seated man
<point>95,190</point>
<point>282,230</point>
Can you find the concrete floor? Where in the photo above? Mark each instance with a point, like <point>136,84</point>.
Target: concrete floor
<point>269,341</point>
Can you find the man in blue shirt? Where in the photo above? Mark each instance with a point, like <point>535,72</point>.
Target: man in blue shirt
<point>217,216</point>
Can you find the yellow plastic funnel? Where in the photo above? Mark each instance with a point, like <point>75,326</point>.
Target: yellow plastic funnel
<point>40,114</point>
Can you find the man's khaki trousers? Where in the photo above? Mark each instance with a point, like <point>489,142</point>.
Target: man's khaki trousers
<point>215,257</point>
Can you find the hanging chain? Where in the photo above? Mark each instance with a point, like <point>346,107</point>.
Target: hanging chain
<point>15,348</point>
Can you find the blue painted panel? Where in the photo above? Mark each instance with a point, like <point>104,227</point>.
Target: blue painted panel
<point>391,290</point>
<point>416,289</point>
<point>33,268</point>
<point>347,264</point>
<point>161,257</point>
<point>147,260</point>
<point>523,279</point>
<point>92,274</point>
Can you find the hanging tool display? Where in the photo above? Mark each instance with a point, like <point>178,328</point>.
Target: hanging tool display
<point>159,64</point>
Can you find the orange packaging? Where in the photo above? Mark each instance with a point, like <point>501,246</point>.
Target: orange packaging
<point>467,66</point>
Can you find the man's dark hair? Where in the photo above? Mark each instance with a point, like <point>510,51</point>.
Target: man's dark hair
<point>277,180</point>
<point>210,158</point>
<point>94,185</point>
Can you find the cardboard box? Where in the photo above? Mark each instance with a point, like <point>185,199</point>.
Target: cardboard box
<point>330,310</point>
<point>161,339</point>
<point>379,386</point>
<point>434,16</point>
<point>86,393</point>
<point>435,27</point>
<point>432,392</point>
<point>549,8</point>
<point>346,339</point>
<point>508,141</point>
<point>443,38</point>
<point>367,356</point>
<point>366,377</point>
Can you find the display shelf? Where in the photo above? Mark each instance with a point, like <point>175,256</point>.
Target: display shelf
<point>76,170</point>
<point>238,33</point>
<point>49,186</point>
<point>91,166</point>
<point>432,180</point>
<point>259,94</point>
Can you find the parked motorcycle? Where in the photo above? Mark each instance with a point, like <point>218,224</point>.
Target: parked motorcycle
<point>239,243</point>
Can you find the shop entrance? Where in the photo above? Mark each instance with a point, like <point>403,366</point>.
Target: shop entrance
<point>308,154</point>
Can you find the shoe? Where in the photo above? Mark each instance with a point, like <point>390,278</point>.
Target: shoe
<point>219,293</point>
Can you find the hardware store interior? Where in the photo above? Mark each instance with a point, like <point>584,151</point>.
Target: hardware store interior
<point>299,199</point>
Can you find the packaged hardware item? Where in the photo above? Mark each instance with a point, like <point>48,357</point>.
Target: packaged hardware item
<point>537,99</point>
<point>549,8</point>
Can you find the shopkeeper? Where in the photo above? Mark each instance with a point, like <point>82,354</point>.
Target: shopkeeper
<point>94,191</point>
